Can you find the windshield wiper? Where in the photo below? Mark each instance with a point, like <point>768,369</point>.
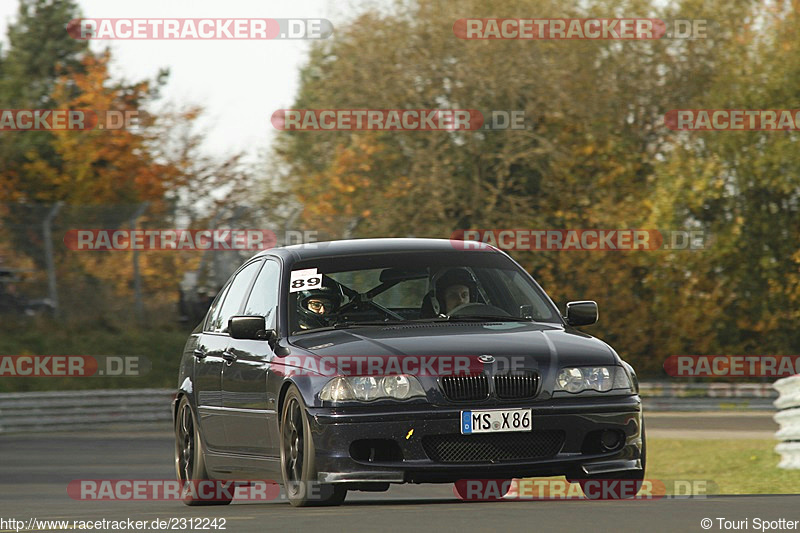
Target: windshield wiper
<point>485,318</point>
<point>341,325</point>
<point>373,323</point>
<point>345,325</point>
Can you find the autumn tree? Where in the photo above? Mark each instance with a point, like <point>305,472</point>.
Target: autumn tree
<point>39,51</point>
<point>101,176</point>
<point>596,153</point>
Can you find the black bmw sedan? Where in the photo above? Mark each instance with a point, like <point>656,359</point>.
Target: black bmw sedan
<point>351,365</point>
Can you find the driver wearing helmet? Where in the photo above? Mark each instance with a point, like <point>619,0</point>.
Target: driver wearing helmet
<point>455,288</point>
<point>315,307</point>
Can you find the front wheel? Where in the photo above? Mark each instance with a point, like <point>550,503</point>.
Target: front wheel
<point>298,456</point>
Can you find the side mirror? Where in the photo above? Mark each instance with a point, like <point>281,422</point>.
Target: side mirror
<point>581,313</point>
<point>250,328</point>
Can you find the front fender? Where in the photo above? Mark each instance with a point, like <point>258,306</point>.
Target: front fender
<point>186,388</point>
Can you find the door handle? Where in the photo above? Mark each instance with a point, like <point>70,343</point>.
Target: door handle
<point>229,357</point>
<point>200,353</point>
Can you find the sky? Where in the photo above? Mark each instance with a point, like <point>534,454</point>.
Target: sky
<point>240,83</point>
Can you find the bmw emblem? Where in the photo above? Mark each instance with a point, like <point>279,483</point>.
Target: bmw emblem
<point>486,359</point>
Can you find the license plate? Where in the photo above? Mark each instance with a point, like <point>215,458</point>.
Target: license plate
<point>496,421</point>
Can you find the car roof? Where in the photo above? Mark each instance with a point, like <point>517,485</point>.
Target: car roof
<point>299,252</point>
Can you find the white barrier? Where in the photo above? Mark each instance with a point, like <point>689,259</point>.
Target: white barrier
<point>24,412</point>
<point>672,396</point>
<point>788,417</point>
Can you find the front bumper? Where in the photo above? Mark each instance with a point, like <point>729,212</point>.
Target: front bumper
<point>340,434</point>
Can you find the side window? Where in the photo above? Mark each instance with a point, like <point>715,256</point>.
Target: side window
<point>264,298</point>
<point>213,312</point>
<point>233,299</point>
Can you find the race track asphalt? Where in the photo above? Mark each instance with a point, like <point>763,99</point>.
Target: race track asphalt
<point>35,470</point>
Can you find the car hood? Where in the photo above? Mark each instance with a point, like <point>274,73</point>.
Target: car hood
<point>540,346</point>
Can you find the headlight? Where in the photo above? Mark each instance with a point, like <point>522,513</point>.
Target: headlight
<point>570,380</point>
<point>367,388</point>
<point>599,378</point>
<point>396,386</point>
<point>337,390</point>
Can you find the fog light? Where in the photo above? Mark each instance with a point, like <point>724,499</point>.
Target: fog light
<point>610,439</point>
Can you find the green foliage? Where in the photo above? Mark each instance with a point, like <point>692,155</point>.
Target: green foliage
<point>40,50</point>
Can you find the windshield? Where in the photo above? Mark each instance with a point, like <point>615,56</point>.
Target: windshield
<point>401,287</point>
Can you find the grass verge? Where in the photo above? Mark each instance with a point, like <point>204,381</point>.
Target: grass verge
<point>736,466</point>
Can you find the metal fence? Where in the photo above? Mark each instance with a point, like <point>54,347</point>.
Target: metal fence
<point>40,274</point>
<point>70,410</point>
<point>671,396</point>
<point>24,412</point>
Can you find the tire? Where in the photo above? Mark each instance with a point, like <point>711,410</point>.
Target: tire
<point>298,458</point>
<point>190,465</point>
<point>628,475</point>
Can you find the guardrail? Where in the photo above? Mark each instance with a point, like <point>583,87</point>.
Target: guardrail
<point>23,412</point>
<point>788,417</point>
<point>671,396</point>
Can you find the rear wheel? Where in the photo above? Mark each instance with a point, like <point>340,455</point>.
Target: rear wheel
<point>298,458</point>
<point>190,466</point>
